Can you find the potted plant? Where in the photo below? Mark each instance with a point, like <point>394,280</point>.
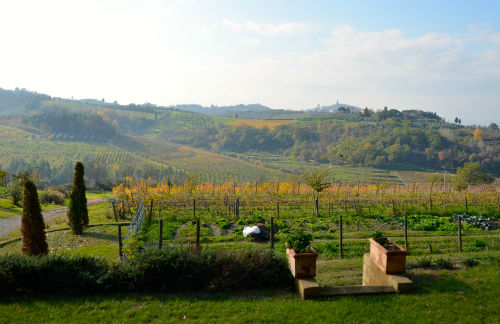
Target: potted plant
<point>301,256</point>
<point>387,255</point>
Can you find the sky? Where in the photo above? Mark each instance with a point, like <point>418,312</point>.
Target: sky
<point>441,56</point>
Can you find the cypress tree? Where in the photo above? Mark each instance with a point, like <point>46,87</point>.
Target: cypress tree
<point>32,225</point>
<point>78,216</point>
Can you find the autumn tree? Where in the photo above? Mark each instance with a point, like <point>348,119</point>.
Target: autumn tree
<point>32,226</point>
<point>78,217</point>
<point>318,181</point>
<point>478,135</point>
<point>471,174</point>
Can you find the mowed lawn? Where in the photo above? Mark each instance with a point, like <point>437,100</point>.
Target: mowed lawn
<point>470,295</point>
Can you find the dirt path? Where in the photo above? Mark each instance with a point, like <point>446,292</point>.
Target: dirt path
<point>12,224</point>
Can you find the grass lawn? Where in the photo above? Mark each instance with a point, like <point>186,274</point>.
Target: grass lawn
<point>466,295</point>
<point>8,209</point>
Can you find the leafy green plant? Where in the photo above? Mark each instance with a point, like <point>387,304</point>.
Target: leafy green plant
<point>469,262</point>
<point>299,241</point>
<point>223,223</point>
<point>476,245</point>
<point>377,236</point>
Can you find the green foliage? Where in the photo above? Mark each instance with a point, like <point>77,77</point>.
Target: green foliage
<point>318,180</point>
<point>223,223</point>
<point>167,270</point>
<point>471,173</point>
<point>32,224</point>
<point>379,238</point>
<point>442,263</point>
<point>476,245</point>
<point>67,126</point>
<point>52,197</point>
<point>427,222</point>
<point>469,262</point>
<point>78,216</point>
<point>299,241</point>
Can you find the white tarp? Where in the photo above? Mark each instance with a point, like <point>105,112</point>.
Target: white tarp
<point>251,230</point>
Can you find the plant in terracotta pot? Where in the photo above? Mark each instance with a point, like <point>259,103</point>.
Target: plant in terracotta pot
<point>301,256</point>
<point>387,255</point>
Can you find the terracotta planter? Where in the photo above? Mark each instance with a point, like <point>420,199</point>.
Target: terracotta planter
<point>302,265</point>
<point>390,262</point>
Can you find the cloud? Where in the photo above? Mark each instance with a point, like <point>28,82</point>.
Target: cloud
<point>252,41</point>
<point>287,28</point>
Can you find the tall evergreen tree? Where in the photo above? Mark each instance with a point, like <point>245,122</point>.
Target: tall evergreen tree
<point>32,225</point>
<point>78,216</point>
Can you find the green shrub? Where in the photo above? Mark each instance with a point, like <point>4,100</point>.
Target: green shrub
<point>50,274</point>
<point>469,262</point>
<point>52,197</point>
<point>166,270</point>
<point>424,262</point>
<point>444,263</point>
<point>474,246</point>
<point>223,223</point>
<point>299,241</point>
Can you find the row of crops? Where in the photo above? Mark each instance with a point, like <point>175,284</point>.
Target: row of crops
<point>224,215</point>
<point>59,153</point>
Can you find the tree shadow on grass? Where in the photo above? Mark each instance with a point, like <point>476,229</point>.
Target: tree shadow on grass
<point>101,236</point>
<point>437,281</point>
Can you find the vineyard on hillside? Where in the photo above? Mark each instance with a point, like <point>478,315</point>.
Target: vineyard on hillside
<point>271,124</point>
<point>210,167</point>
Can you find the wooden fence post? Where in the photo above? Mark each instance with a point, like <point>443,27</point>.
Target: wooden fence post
<point>466,205</point>
<point>316,205</point>
<point>120,244</point>
<point>459,233</point>
<point>237,208</point>
<point>197,234</point>
<point>151,210</point>
<point>114,211</point>
<point>406,230</point>
<point>271,234</point>
<point>160,235</point>
<point>340,237</point>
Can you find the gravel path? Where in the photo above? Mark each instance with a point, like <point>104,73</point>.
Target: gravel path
<point>12,224</point>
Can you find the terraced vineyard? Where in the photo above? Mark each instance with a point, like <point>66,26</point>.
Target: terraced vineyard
<point>271,124</point>
<point>344,174</point>
<point>414,177</point>
<point>57,153</point>
<point>211,167</point>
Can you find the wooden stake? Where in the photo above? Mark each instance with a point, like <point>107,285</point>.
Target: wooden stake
<point>160,235</point>
<point>271,234</point>
<point>120,244</point>
<point>459,233</point>
<point>197,234</point>
<point>316,205</point>
<point>151,210</point>
<point>406,230</point>
<point>340,237</point>
<point>114,211</point>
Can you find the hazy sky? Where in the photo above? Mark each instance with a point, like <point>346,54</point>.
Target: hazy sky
<point>442,56</point>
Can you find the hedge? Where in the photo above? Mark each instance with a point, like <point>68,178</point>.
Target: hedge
<point>167,270</point>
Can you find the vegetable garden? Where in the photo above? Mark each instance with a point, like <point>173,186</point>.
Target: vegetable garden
<point>355,211</point>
